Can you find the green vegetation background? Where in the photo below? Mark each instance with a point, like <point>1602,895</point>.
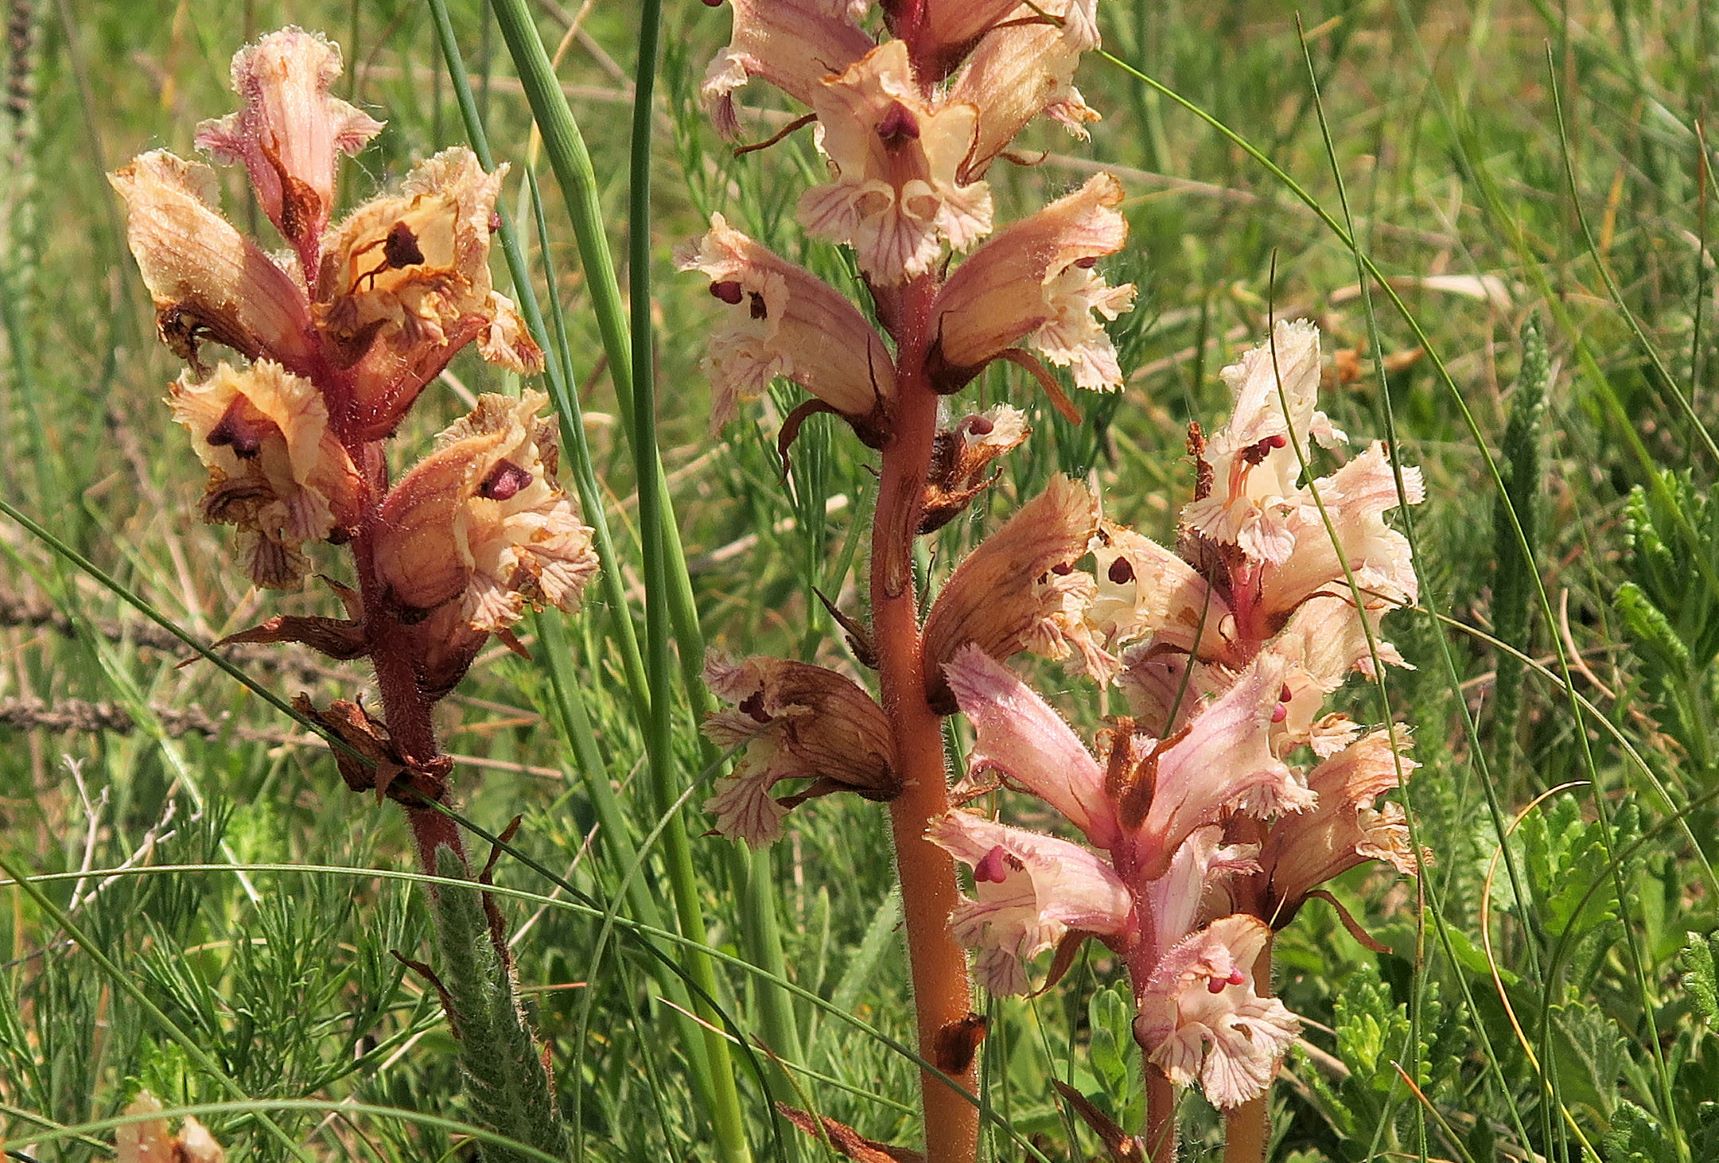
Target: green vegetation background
<point>1528,177</point>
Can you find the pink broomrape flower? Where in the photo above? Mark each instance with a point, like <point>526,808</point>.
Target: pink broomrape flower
<point>782,320</point>
<point>895,197</point>
<point>288,132</point>
<point>1202,1019</point>
<point>1035,284</point>
<point>792,44</point>
<point>795,721</point>
<point>1033,890</point>
<point>1254,463</point>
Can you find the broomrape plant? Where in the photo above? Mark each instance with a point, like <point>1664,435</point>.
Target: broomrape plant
<point>337,336</point>
<point>1205,831</point>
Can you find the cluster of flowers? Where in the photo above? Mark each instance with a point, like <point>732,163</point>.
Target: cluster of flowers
<point>909,128</point>
<point>338,336</point>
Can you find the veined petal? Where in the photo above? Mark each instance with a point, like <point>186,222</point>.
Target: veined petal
<point>1356,498</point>
<point>1201,1018</point>
<point>792,44</point>
<point>275,469</point>
<point>1021,737</point>
<point>1033,283</point>
<point>483,520</point>
<point>208,281</point>
<point>1223,761</point>
<point>782,320</point>
<point>1177,900</point>
<point>1018,590</point>
<point>1145,591</point>
<point>896,197</point>
<point>289,130</point>
<point>1022,67</point>
<point>795,721</point>
<point>1032,890</point>
<point>405,284</point>
<point>1345,829</point>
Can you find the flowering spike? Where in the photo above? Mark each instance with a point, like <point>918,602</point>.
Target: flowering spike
<point>289,131</point>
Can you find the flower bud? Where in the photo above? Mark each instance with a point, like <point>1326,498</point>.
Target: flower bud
<point>289,130</point>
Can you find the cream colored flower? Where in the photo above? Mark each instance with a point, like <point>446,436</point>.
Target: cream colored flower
<point>289,131</point>
<point>1034,284</point>
<point>151,1141</point>
<point>275,469</point>
<point>792,44</point>
<point>896,197</point>
<point>1202,1019</point>
<point>209,282</point>
<point>405,284</point>
<point>1253,461</point>
<point>482,521</point>
<point>782,320</point>
<point>1019,589</point>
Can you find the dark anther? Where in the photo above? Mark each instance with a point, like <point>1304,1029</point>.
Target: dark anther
<point>400,248</point>
<point>494,221</point>
<point>898,125</point>
<point>1121,571</point>
<point>753,706</point>
<point>240,430</point>
<point>980,425</point>
<point>995,865</point>
<point>504,481</point>
<point>728,291</point>
<point>1086,264</point>
<point>1257,452</point>
<point>759,310</point>
<point>1062,568</point>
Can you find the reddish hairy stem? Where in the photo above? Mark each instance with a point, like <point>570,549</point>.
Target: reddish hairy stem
<point>404,708</point>
<point>1247,1127</point>
<point>1160,1116</point>
<point>942,996</point>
